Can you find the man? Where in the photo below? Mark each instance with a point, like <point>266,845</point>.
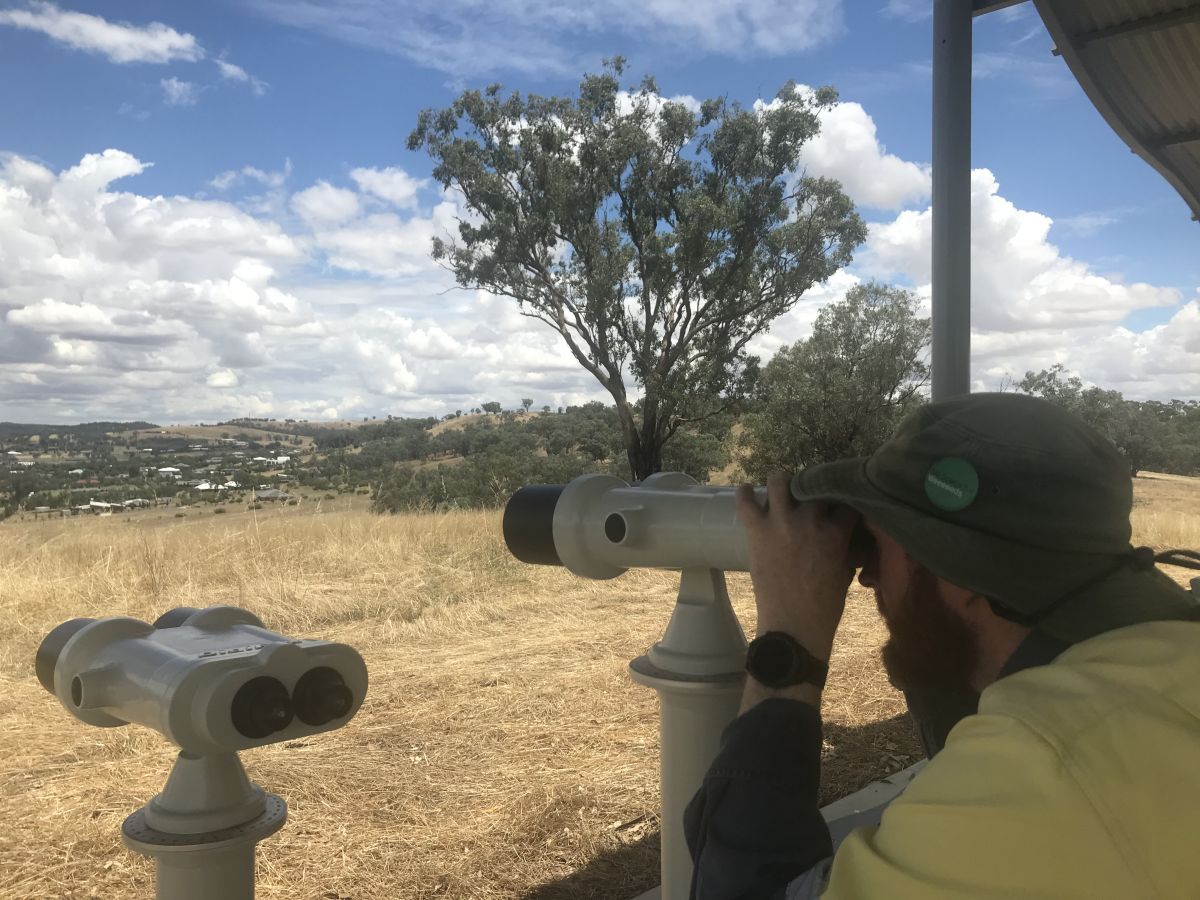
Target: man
<point>1001,564</point>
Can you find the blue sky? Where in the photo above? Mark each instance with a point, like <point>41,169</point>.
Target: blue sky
<point>254,242</point>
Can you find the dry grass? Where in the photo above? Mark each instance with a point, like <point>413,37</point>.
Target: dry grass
<point>502,751</point>
<point>215,432</point>
<point>1166,511</point>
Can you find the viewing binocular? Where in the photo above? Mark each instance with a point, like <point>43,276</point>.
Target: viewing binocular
<point>210,680</point>
<point>599,526</point>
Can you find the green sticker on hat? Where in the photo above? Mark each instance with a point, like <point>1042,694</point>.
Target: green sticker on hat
<point>951,484</point>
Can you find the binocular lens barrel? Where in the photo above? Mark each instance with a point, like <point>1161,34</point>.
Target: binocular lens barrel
<point>261,707</point>
<point>529,524</point>
<point>173,618</point>
<point>50,648</point>
<point>321,695</point>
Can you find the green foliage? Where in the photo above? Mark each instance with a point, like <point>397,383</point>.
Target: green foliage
<point>656,240</point>
<point>406,433</point>
<point>486,480</point>
<point>841,392</point>
<point>1152,435</point>
<point>499,456</point>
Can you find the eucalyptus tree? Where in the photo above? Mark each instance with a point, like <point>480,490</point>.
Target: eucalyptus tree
<point>656,237</point>
<point>841,392</point>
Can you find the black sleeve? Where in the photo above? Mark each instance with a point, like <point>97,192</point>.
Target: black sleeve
<point>755,825</point>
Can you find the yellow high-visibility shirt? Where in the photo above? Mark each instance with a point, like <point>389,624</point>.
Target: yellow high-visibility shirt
<point>1080,778</point>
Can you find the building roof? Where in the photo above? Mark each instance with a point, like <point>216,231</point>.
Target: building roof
<point>1139,63</point>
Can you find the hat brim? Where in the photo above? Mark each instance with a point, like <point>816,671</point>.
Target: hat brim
<point>1019,576</point>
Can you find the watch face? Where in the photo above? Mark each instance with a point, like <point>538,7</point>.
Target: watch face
<point>773,662</point>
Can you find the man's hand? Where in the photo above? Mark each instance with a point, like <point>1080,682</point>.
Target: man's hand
<point>799,563</point>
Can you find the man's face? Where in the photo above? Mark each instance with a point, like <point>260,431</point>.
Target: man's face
<point>929,645</point>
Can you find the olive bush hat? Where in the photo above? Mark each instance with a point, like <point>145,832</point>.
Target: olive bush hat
<point>1014,498</point>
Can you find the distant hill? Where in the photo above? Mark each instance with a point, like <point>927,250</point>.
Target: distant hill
<point>90,430</point>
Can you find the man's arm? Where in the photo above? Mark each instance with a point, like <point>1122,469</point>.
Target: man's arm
<point>755,825</point>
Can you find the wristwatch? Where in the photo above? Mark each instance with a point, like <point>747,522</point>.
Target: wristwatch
<point>776,659</point>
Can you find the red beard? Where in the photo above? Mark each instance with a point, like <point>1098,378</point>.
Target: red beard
<point>929,645</point>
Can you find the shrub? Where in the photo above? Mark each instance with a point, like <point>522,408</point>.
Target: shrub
<point>218,510</point>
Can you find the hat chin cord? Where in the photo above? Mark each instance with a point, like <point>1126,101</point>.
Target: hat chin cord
<point>1142,559</point>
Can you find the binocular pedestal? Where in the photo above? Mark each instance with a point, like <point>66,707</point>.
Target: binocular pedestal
<point>202,829</point>
<point>698,669</point>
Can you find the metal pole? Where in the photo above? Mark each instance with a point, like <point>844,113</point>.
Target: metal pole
<point>935,711</point>
<point>951,274</point>
<point>206,875</point>
<point>202,829</point>
<point>698,670</point>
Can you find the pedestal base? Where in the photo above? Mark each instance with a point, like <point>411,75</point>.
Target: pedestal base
<point>202,829</point>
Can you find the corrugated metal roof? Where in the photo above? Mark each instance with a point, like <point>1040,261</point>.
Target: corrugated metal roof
<point>1139,63</point>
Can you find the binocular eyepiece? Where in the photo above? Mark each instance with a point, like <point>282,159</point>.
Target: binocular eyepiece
<point>210,680</point>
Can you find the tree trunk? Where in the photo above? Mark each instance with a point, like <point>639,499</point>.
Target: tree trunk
<point>645,456</point>
<point>643,446</point>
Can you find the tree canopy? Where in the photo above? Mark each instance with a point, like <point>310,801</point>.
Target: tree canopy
<point>656,238</point>
<point>1151,434</point>
<point>841,392</point>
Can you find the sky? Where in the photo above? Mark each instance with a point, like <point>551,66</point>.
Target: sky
<point>207,209</point>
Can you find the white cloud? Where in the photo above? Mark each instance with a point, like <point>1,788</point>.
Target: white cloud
<point>179,93</point>
<point>467,38</point>
<point>119,41</point>
<point>1033,307</point>
<point>655,102</point>
<point>391,184</point>
<point>231,72</point>
<point>384,244</point>
<point>848,149</point>
<point>381,366</point>
<point>128,305</point>
<point>223,378</point>
<point>132,112</point>
<point>98,285</point>
<point>1084,224</point>
<point>270,180</point>
<point>1046,78</point>
<point>1019,280</point>
<point>324,204</point>
<point>797,323</point>
<point>908,10</point>
<point>120,304</point>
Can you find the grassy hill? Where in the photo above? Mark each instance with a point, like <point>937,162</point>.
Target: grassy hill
<point>502,753</point>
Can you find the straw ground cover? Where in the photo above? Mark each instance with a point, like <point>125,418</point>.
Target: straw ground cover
<point>502,751</point>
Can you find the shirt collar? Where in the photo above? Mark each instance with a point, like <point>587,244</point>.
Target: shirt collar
<point>1038,649</point>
